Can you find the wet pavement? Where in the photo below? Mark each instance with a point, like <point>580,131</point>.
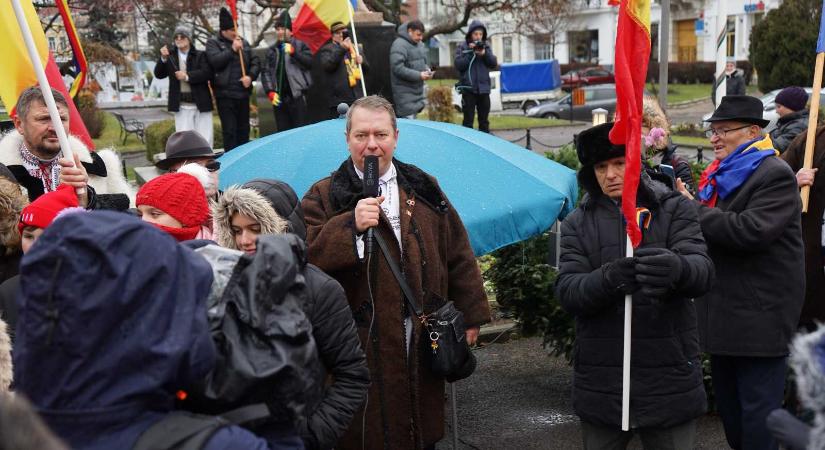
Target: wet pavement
<point>519,398</point>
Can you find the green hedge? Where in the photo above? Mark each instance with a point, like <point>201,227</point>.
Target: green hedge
<point>524,281</point>
<point>158,133</point>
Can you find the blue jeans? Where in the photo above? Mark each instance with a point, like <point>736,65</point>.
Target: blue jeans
<point>747,389</point>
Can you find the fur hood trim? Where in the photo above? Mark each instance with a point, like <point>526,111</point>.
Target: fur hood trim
<point>6,372</point>
<point>249,203</point>
<point>808,362</point>
<point>113,182</point>
<point>12,202</point>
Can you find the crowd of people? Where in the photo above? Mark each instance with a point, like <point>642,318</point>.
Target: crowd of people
<point>730,267</point>
<point>244,318</point>
<point>183,316</point>
<point>228,67</point>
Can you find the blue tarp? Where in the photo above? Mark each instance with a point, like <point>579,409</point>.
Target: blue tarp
<point>532,76</point>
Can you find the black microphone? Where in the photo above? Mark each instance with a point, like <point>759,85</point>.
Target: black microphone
<point>370,190</point>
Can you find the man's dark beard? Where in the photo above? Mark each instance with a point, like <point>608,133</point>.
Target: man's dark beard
<point>44,153</point>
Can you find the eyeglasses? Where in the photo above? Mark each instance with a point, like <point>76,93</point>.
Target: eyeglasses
<point>181,36</point>
<point>722,132</point>
<point>211,165</point>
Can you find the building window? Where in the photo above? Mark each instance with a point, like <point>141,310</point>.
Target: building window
<point>543,47</point>
<point>731,30</point>
<point>654,42</point>
<point>583,46</point>
<point>507,45</point>
<point>52,44</point>
<point>453,47</point>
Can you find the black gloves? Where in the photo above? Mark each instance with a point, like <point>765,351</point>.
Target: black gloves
<point>657,271</point>
<point>620,275</point>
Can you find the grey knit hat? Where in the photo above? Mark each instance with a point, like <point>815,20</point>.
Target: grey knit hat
<point>184,30</point>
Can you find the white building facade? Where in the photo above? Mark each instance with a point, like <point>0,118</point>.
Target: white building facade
<point>589,34</point>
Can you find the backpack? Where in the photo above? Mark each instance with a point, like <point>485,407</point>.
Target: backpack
<point>183,430</point>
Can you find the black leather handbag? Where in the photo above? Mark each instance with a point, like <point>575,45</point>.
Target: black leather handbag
<point>444,349</point>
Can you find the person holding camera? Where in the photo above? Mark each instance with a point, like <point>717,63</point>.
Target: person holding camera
<point>474,59</point>
<point>343,65</point>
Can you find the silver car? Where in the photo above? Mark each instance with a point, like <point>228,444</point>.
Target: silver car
<point>597,96</point>
<point>769,103</point>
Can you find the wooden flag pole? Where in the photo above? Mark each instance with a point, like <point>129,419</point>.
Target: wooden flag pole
<point>628,318</point>
<point>240,52</point>
<point>808,162</point>
<point>45,88</point>
<point>357,51</point>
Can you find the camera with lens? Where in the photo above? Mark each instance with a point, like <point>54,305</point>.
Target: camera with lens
<point>479,44</point>
<point>346,33</point>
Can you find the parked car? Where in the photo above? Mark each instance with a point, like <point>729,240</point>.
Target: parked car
<point>600,96</point>
<point>585,77</point>
<point>769,102</point>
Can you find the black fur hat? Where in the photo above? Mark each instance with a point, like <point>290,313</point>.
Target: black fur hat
<point>593,145</point>
<point>284,21</point>
<point>226,22</point>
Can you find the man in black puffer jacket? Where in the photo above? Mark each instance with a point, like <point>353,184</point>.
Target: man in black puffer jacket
<point>263,207</point>
<point>232,89</point>
<point>668,269</point>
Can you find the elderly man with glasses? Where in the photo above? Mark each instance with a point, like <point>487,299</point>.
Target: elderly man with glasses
<point>749,211</point>
<point>189,75</point>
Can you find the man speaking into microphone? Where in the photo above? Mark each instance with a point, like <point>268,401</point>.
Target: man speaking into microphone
<point>426,238</point>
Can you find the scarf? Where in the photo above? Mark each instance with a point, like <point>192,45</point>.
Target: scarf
<point>48,171</point>
<point>180,234</point>
<point>353,71</point>
<point>722,177</point>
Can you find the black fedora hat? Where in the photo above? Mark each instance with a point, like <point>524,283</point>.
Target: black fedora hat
<point>183,145</point>
<point>740,108</point>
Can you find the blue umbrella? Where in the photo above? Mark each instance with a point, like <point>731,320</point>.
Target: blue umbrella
<point>503,192</point>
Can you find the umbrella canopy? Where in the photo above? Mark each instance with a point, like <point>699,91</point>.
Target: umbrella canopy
<point>503,192</point>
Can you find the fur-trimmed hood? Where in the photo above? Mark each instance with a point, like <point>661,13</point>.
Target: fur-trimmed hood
<point>12,202</point>
<point>6,372</point>
<point>808,362</point>
<point>248,202</point>
<point>106,179</point>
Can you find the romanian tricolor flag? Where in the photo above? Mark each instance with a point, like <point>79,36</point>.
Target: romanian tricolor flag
<point>632,55</point>
<point>18,74</point>
<point>316,17</point>
<point>79,59</point>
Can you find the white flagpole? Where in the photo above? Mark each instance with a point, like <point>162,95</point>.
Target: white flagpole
<point>628,316</point>
<point>45,88</point>
<point>355,42</point>
<point>721,51</point>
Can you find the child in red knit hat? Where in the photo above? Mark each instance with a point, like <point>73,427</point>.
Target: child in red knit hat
<point>175,203</point>
<point>40,213</point>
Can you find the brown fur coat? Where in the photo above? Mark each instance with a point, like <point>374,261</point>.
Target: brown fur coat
<point>406,402</point>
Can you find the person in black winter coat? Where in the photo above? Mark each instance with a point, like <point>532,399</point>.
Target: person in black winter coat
<point>793,117</point>
<point>340,63</point>
<point>286,76</point>
<point>189,74</point>
<point>749,209</point>
<point>262,207</point>
<point>734,81</point>
<point>474,59</point>
<point>232,89</point>
<point>668,269</point>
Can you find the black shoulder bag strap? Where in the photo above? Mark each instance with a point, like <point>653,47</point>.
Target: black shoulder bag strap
<point>405,288</point>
